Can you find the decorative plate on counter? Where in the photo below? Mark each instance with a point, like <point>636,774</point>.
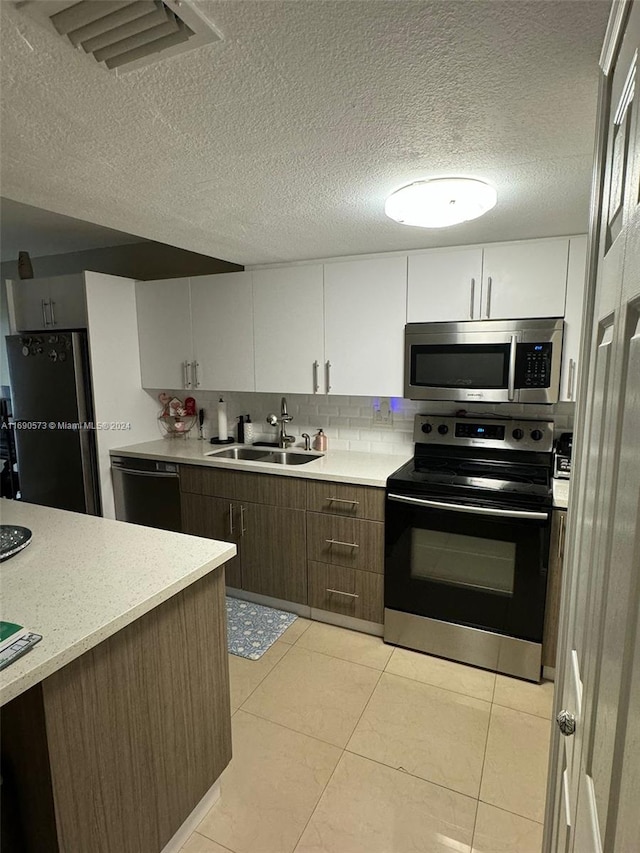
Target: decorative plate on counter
<point>12,540</point>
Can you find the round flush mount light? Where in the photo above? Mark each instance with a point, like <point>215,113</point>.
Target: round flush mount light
<point>440,202</point>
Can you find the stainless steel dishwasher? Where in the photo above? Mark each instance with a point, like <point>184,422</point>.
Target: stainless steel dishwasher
<point>147,492</point>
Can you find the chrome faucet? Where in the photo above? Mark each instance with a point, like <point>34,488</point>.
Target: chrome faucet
<point>284,440</point>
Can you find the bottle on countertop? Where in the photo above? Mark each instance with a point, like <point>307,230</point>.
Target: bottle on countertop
<point>320,441</point>
<point>248,431</point>
<point>240,429</point>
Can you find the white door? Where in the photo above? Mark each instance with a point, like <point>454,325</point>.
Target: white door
<point>68,302</point>
<point>164,329</point>
<point>523,280</point>
<point>288,324</point>
<point>365,308</point>
<point>444,285</point>
<point>595,772</point>
<point>222,326</point>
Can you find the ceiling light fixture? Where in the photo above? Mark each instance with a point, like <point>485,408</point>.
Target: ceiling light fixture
<point>440,202</point>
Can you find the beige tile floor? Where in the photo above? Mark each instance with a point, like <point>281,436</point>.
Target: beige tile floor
<point>342,744</point>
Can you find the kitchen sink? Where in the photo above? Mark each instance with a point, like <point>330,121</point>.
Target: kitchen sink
<point>239,453</point>
<point>279,457</point>
<point>287,457</point>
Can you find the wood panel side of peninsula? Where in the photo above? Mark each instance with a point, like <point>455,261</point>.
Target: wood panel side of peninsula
<point>136,730</point>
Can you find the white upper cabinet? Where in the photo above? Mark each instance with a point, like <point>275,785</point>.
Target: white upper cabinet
<point>289,329</point>
<point>164,328</point>
<point>522,280</point>
<point>444,285</point>
<point>573,317</point>
<point>222,327</point>
<point>39,304</point>
<point>365,310</point>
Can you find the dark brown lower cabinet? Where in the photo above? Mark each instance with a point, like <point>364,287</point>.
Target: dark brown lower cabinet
<point>214,518</point>
<point>273,549</point>
<point>350,592</point>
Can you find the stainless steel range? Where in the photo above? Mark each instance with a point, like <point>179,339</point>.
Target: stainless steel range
<point>467,542</point>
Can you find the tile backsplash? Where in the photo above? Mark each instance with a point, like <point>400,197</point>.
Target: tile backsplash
<point>349,421</point>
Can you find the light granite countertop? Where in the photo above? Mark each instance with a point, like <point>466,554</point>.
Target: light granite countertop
<point>560,493</point>
<point>82,578</point>
<point>345,466</point>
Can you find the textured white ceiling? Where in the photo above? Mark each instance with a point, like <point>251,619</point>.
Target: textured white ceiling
<point>40,232</point>
<point>282,141</point>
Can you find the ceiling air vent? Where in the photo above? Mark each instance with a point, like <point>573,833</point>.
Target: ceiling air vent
<point>125,34</point>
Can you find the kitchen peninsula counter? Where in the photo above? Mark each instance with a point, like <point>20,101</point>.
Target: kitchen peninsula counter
<point>338,466</point>
<point>116,724</point>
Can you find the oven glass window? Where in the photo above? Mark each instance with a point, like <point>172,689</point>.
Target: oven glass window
<point>459,560</point>
<point>460,365</point>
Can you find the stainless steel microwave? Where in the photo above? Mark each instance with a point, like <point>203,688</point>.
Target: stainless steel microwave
<point>491,361</point>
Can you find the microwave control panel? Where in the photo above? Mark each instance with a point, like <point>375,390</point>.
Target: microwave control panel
<point>533,365</point>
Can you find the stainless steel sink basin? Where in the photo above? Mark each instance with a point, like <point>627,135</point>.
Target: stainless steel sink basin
<point>239,453</point>
<point>287,457</point>
<point>279,457</point>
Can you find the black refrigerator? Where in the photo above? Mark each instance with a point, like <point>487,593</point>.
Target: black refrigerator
<point>53,420</point>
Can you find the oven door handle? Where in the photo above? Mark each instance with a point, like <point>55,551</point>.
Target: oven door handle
<point>473,510</point>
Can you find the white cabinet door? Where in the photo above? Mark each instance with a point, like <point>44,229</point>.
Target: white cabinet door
<point>30,298</point>
<point>576,286</point>
<point>222,325</point>
<point>365,309</point>
<point>49,303</point>
<point>68,302</point>
<point>523,280</point>
<point>444,285</point>
<point>288,329</point>
<point>164,328</point>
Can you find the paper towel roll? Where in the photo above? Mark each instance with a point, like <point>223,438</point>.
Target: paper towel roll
<point>223,432</point>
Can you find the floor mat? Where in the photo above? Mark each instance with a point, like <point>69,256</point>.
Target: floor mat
<point>253,628</point>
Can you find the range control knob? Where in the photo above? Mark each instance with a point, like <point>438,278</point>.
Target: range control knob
<point>426,428</point>
<point>518,434</point>
<point>536,434</point>
<point>443,429</point>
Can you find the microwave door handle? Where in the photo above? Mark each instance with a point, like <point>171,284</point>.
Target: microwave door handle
<point>473,510</point>
<point>511,392</point>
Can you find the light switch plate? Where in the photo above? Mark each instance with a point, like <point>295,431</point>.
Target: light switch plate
<point>382,412</point>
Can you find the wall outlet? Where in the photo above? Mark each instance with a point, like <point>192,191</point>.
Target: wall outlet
<point>382,412</point>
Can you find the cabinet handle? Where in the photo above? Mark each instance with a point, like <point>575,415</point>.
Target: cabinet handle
<point>342,501</point>
<point>473,293</point>
<point>316,381</point>
<point>194,374</point>
<point>186,366</point>
<point>338,542</point>
<point>230,519</point>
<point>243,529</point>
<point>44,313</point>
<point>488,305</point>
<point>340,592</point>
<point>328,376</point>
<point>561,532</point>
<point>52,312</point>
<point>572,372</point>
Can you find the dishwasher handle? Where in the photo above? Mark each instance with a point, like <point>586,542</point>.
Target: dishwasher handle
<point>155,474</point>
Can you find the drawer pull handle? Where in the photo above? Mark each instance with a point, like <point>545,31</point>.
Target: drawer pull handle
<point>340,592</point>
<point>342,501</point>
<point>338,542</point>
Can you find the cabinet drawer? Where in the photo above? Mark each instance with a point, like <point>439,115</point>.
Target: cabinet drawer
<point>346,591</point>
<point>270,489</point>
<point>207,481</point>
<point>345,499</point>
<point>349,542</point>
<point>236,485</point>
